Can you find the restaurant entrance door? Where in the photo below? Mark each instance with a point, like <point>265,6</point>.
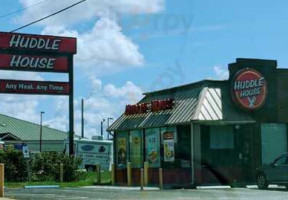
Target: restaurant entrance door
<point>226,154</point>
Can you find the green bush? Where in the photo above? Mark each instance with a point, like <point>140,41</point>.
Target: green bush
<point>15,165</point>
<point>46,166</point>
<point>43,166</point>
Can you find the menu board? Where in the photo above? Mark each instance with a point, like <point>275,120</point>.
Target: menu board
<point>169,129</point>
<point>169,150</point>
<point>153,147</point>
<point>136,148</point>
<point>121,150</point>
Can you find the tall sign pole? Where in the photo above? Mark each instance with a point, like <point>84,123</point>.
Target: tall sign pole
<point>71,107</point>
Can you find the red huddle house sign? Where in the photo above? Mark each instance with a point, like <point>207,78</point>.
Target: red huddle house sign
<point>39,53</point>
<point>33,63</point>
<point>249,89</point>
<point>37,43</point>
<point>153,106</point>
<point>34,87</point>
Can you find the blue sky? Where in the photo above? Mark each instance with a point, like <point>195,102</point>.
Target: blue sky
<point>129,47</point>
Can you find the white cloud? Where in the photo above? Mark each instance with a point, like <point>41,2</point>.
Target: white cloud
<point>107,101</point>
<point>96,84</point>
<point>20,106</point>
<point>221,72</point>
<point>86,10</point>
<point>129,92</point>
<point>61,105</point>
<point>103,49</point>
<point>60,123</point>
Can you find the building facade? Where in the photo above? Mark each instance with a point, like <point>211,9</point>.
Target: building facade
<point>207,132</point>
<point>17,131</point>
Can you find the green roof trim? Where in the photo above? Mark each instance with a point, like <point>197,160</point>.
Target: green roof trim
<point>28,131</point>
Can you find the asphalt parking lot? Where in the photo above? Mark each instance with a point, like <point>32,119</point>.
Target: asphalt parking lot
<point>106,193</point>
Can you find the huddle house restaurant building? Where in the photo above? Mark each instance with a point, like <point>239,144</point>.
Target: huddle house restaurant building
<point>207,132</point>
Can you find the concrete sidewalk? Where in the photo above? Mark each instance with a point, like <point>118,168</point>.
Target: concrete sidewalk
<point>120,194</point>
<point>120,188</point>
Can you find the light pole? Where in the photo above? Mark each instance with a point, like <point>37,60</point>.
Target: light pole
<point>103,120</point>
<point>41,114</point>
<point>108,119</point>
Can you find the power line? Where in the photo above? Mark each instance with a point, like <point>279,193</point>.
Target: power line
<point>22,9</point>
<point>41,19</point>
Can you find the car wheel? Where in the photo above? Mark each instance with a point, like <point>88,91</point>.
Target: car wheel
<point>261,181</point>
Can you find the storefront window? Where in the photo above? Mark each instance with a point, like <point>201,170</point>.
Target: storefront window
<point>121,149</point>
<point>153,147</point>
<point>136,157</point>
<point>169,138</point>
<point>221,137</point>
<point>184,146</point>
<point>273,140</point>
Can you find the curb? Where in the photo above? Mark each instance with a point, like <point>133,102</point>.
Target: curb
<point>120,188</point>
<point>214,187</point>
<point>40,186</point>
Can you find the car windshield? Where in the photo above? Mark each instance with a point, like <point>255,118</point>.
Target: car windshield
<point>281,161</point>
<point>150,99</point>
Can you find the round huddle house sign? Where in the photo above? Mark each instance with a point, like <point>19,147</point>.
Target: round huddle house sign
<point>249,89</point>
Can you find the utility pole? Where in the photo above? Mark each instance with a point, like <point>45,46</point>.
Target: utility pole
<point>108,119</point>
<point>103,120</point>
<point>82,118</point>
<point>40,142</point>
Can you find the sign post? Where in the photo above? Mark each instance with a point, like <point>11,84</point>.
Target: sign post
<point>71,108</point>
<point>26,155</point>
<point>25,151</point>
<point>39,53</point>
<point>2,180</point>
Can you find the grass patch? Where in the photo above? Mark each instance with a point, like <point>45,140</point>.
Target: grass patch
<point>89,178</point>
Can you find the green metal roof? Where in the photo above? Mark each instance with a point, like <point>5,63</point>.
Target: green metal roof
<point>203,101</point>
<point>186,101</point>
<point>28,131</point>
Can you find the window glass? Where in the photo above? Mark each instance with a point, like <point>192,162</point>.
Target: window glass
<point>281,161</point>
<point>221,137</point>
<point>273,140</point>
<point>169,136</point>
<point>184,145</point>
<point>153,147</point>
<point>136,157</point>
<point>121,149</point>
